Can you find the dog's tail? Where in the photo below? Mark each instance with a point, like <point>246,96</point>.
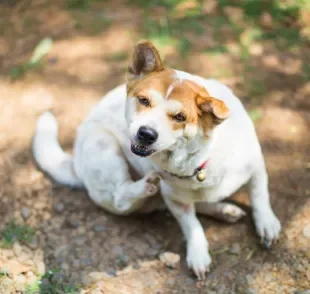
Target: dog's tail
<point>49,155</point>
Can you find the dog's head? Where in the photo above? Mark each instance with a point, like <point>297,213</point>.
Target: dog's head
<point>162,109</point>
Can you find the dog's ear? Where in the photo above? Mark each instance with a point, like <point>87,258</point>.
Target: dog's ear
<point>145,59</point>
<point>211,110</point>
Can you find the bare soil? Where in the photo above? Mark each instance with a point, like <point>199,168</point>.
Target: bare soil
<point>108,254</point>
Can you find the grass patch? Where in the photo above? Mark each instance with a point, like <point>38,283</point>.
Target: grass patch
<point>118,56</point>
<point>306,72</point>
<point>79,4</point>
<point>255,114</point>
<point>49,285</point>
<point>14,232</point>
<point>35,61</point>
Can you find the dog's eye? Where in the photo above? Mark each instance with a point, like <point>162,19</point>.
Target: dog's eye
<point>180,117</point>
<point>144,101</point>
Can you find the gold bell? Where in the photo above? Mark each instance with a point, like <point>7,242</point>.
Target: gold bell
<point>201,176</point>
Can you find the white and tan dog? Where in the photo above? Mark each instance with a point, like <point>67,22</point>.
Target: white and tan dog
<point>182,135</point>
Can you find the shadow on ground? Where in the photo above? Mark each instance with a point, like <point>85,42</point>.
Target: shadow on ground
<point>260,49</point>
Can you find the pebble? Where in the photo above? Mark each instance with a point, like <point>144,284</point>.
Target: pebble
<point>117,251</point>
<point>86,281</point>
<point>79,240</point>
<point>111,272</point>
<point>235,249</point>
<point>85,261</point>
<point>98,228</point>
<point>250,291</point>
<point>17,249</point>
<point>25,213</point>
<point>73,223</point>
<point>34,244</point>
<point>58,277</point>
<point>249,279</point>
<point>59,207</point>
<point>306,231</point>
<point>170,259</point>
<point>40,267</point>
<point>96,276</point>
<point>153,252</point>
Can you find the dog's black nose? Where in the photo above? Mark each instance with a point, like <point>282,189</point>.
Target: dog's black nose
<point>146,135</point>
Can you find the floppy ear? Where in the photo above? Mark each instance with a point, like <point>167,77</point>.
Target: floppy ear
<point>212,105</point>
<point>145,59</point>
<point>211,110</point>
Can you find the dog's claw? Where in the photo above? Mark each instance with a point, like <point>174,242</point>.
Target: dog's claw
<point>268,228</point>
<point>266,243</point>
<point>199,260</point>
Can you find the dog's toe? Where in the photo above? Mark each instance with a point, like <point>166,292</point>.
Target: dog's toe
<point>153,178</point>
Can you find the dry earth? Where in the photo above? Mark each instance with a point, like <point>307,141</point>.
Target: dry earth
<point>102,253</point>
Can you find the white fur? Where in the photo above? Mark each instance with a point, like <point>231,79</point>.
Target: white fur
<point>102,155</point>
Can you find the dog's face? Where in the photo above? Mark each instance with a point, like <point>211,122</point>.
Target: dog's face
<point>161,109</point>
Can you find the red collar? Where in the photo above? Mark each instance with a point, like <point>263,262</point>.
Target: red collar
<point>196,171</point>
<point>201,167</point>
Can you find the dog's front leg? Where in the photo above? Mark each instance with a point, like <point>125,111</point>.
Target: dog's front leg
<point>267,224</point>
<point>197,257</point>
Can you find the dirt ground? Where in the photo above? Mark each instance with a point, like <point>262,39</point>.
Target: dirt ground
<point>79,248</point>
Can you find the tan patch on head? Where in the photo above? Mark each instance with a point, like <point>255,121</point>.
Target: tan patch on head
<point>147,78</point>
<point>198,106</point>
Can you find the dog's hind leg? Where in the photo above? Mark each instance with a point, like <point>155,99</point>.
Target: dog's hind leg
<point>107,177</point>
<point>221,210</point>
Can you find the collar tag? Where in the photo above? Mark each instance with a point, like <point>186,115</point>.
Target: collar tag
<point>200,176</point>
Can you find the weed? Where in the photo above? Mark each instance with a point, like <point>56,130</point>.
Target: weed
<point>14,232</point>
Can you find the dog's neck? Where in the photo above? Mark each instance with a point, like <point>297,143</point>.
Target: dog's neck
<point>185,156</point>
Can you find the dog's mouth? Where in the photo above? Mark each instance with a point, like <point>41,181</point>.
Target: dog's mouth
<point>141,151</point>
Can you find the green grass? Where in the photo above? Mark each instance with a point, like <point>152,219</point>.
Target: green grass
<point>14,232</point>
<point>48,285</point>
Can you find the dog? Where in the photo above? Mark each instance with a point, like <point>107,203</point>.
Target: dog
<point>165,139</point>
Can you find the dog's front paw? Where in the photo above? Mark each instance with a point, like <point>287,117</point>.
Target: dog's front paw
<point>268,227</point>
<point>152,184</point>
<point>198,259</point>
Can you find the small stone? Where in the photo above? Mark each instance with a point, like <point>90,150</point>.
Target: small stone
<point>79,240</point>
<point>58,277</point>
<point>306,231</point>
<point>59,207</point>
<point>250,291</point>
<point>97,276</point>
<point>34,244</point>
<point>117,251</point>
<point>249,279</point>
<point>170,259</point>
<point>137,266</point>
<point>123,261</point>
<point>98,228</point>
<point>17,249</point>
<point>220,289</point>
<point>25,213</point>
<point>73,223</point>
<point>86,281</point>
<point>76,263</point>
<point>154,252</point>
<point>235,249</point>
<point>85,261</point>
<point>40,267</point>
<point>300,268</point>
<point>111,272</point>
